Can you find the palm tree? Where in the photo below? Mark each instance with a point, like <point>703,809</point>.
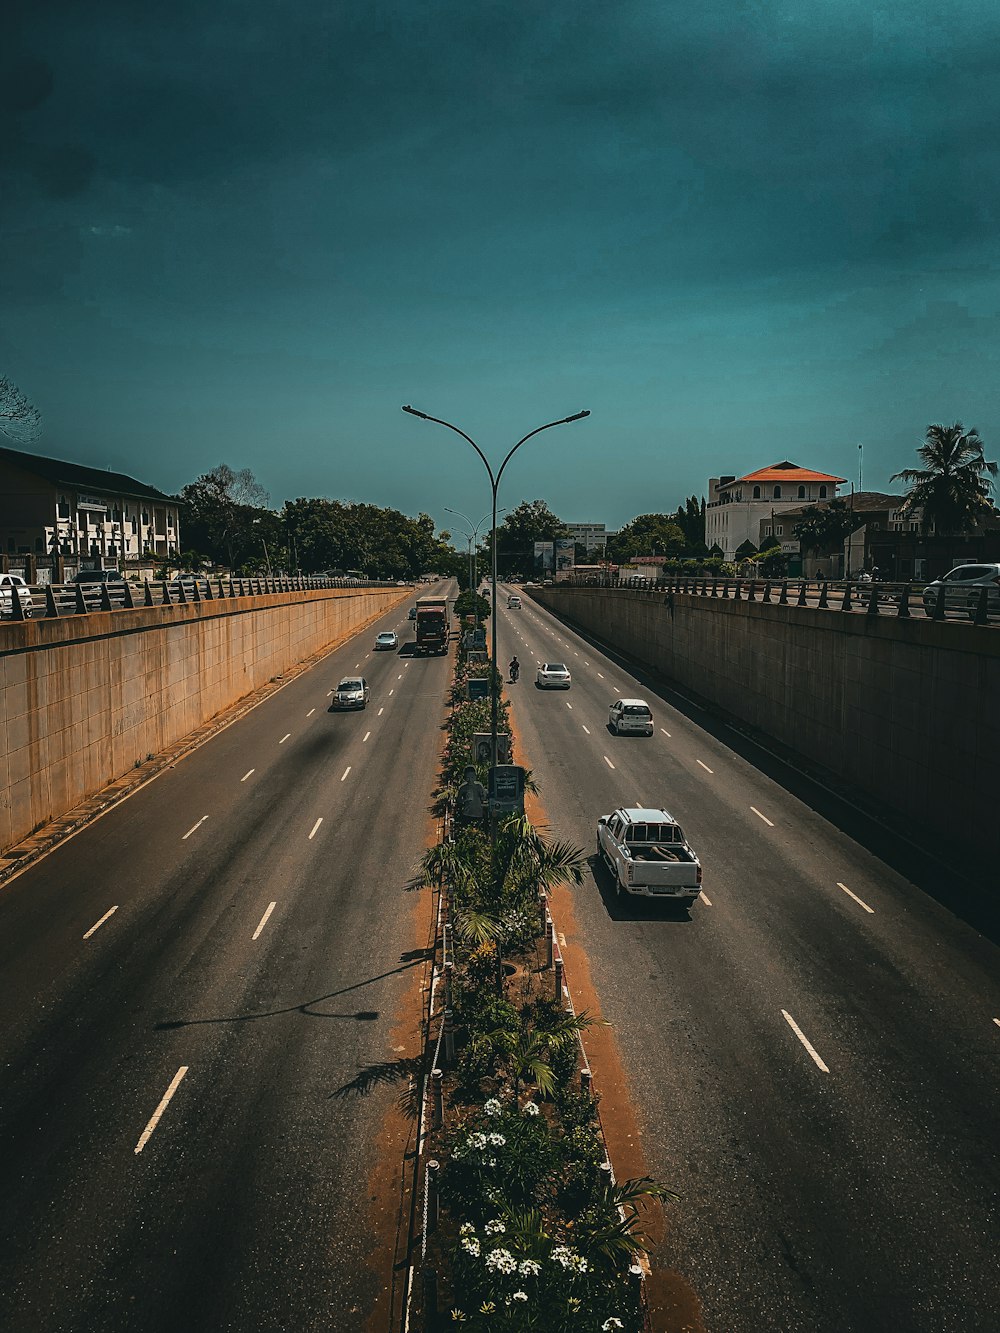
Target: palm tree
<point>951,488</point>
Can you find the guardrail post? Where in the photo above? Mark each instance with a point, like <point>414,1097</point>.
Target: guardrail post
<point>181,594</point>
<point>845,603</point>
<point>437,1099</point>
<point>81,601</point>
<point>983,609</point>
<point>147,594</point>
<point>713,592</point>
<point>449,969</point>
<point>430,1282</point>
<point>904,603</point>
<point>737,594</point>
<point>16,609</point>
<point>543,910</point>
<point>940,606</point>
<point>752,591</point>
<point>559,981</point>
<point>129,600</point>
<point>783,595</point>
<point>209,594</point>
<point>51,605</point>
<point>449,1038</point>
<point>550,931</point>
<point>822,603</point>
<point>802,595</point>
<point>725,588</point>
<point>105,598</point>
<point>586,1082</point>
<point>433,1201</point>
<point>873,601</point>
<point>766,595</point>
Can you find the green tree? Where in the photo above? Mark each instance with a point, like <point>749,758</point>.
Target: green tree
<point>648,534</point>
<point>532,521</point>
<point>952,488</point>
<point>823,528</point>
<point>220,510</point>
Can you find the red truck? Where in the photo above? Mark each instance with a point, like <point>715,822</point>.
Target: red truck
<point>432,624</point>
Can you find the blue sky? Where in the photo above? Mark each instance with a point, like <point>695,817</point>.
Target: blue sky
<point>737,232</point>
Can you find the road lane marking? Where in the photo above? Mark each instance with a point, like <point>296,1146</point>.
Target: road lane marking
<point>570,707</point>
<point>760,816</point>
<point>704,898</point>
<point>997,1021</point>
<point>400,676</point>
<point>665,732</point>
<point>263,920</point>
<point>155,1118</point>
<point>586,729</point>
<point>328,693</point>
<point>599,676</point>
<point>315,828</point>
<point>379,713</point>
<point>98,924</point>
<point>860,902</point>
<point>193,827</point>
<point>310,713</point>
<point>284,738</point>
<point>247,774</point>
<point>345,772</point>
<point>805,1041</point>
<point>617,690</point>
<point>365,737</point>
<point>608,762</point>
<point>704,766</point>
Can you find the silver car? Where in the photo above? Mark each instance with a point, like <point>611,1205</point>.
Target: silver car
<point>11,586</point>
<point>962,589</point>
<point>352,692</point>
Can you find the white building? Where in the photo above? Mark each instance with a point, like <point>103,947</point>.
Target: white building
<point>736,505</point>
<point>591,535</point>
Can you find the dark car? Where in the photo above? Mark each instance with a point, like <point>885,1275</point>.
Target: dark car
<point>97,576</point>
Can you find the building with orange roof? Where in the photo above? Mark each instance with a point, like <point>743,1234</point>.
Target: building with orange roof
<point>736,505</point>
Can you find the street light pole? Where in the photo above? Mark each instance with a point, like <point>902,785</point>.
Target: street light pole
<point>494,483</point>
<point>472,538</point>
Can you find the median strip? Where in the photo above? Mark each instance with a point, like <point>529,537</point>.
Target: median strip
<point>98,924</point>
<point>805,1041</point>
<point>155,1118</point>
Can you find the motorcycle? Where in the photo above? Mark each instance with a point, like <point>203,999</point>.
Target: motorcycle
<point>514,672</point>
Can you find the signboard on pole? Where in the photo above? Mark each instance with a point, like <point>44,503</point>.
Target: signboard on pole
<point>478,687</point>
<point>482,747</point>
<point>506,790</point>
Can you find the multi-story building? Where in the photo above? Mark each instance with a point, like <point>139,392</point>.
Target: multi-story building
<point>593,536</point>
<point>736,505</point>
<point>65,517</point>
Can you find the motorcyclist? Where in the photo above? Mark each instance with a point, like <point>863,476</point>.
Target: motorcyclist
<point>515,667</point>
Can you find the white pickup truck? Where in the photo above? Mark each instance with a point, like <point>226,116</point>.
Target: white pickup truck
<point>648,855</point>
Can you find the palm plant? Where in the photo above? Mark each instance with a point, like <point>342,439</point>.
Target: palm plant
<point>951,488</point>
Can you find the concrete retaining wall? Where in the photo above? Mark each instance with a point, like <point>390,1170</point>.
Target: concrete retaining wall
<point>902,711</point>
<point>82,699</point>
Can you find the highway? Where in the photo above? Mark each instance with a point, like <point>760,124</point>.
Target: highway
<point>813,1052</point>
<point>184,986</point>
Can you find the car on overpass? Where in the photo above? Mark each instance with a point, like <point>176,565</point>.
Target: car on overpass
<point>962,589</point>
<point>11,586</point>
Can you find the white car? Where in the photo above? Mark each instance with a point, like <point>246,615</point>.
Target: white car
<point>11,586</point>
<point>630,717</point>
<point>352,692</point>
<point>961,588</point>
<point>386,641</point>
<point>553,676</point>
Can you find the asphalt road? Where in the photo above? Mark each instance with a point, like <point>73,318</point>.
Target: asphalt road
<point>183,987</point>
<point>813,1051</point>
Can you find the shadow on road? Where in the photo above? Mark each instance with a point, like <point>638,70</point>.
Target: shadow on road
<point>625,907</point>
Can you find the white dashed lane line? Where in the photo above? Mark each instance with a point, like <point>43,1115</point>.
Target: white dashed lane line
<point>164,1103</point>
<point>805,1041</point>
<point>98,924</point>
<point>570,707</point>
<point>315,828</point>
<point>379,713</point>
<point>247,774</point>
<point>665,732</point>
<point>263,921</point>
<point>345,772</point>
<point>997,1021</point>
<point>608,762</point>
<point>860,902</point>
<point>704,766</point>
<point>284,738</point>
<point>599,676</point>
<point>586,729</point>
<point>194,827</point>
<point>760,816</point>
<point>310,713</point>
<point>365,737</point>
<point>705,898</point>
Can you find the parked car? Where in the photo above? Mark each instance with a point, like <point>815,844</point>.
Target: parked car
<point>97,576</point>
<point>630,717</point>
<point>961,589</point>
<point>386,641</point>
<point>352,692</point>
<point>553,676</point>
<point>11,586</point>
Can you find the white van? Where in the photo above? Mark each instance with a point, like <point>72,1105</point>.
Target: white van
<point>631,717</point>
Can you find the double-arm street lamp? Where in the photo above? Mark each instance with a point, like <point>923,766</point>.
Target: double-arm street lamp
<point>494,483</point>
<point>472,538</point>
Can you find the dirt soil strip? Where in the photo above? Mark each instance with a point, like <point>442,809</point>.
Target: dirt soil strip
<point>673,1304</point>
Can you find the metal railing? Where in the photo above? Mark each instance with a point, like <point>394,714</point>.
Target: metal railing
<point>980,604</point>
<point>54,600</point>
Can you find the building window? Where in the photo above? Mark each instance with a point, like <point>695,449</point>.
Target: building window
<point>777,492</point>
<point>145,516</point>
<point>779,530</point>
<point>802,492</point>
<point>63,509</point>
<point>756,492</point>
<point>822,492</point>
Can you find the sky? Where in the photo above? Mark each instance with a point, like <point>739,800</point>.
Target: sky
<point>735,232</point>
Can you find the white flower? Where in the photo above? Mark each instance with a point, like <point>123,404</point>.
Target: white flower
<point>529,1268</point>
<point>476,1141</point>
<point>530,1108</point>
<point>579,1263</point>
<point>501,1261</point>
<point>611,1323</point>
<point>493,1107</point>
<point>520,1295</point>
<point>494,1228</point>
<point>471,1246</point>
<point>562,1254</point>
<point>466,1229</point>
<point>489,1161</point>
<point>497,1140</point>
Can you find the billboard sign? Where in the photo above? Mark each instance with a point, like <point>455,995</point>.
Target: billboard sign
<point>544,557</point>
<point>565,552</point>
